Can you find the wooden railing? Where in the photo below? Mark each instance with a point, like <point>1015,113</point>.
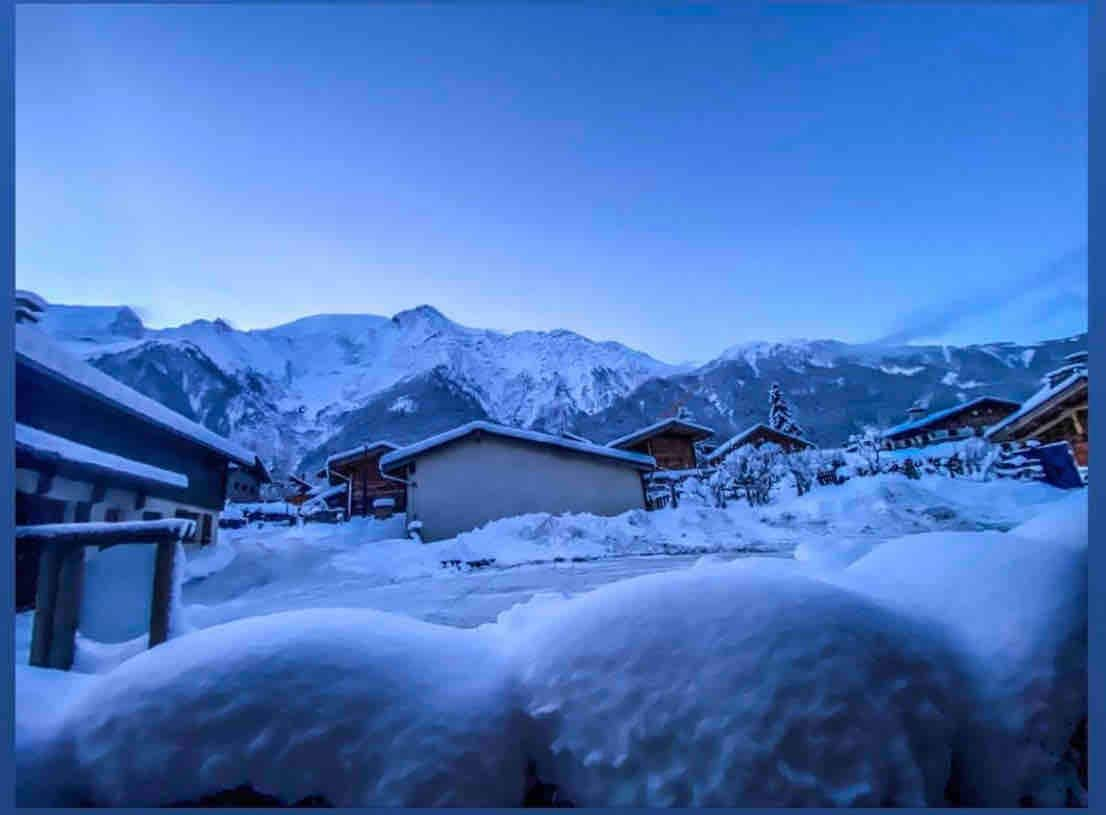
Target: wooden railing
<point>61,577</point>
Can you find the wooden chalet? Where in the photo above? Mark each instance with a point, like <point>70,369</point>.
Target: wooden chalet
<point>671,442</point>
<point>1058,412</point>
<point>89,448</point>
<point>359,469</point>
<point>957,422</point>
<point>757,435</point>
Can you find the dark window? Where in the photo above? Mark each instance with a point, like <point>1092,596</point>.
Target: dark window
<point>112,515</point>
<point>411,468</point>
<point>151,516</point>
<point>83,512</point>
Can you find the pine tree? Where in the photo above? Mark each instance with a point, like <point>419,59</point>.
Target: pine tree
<point>781,416</point>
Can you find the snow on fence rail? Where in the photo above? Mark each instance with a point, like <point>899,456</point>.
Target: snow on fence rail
<point>61,573</point>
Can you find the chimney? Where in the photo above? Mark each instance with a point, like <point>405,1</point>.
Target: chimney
<point>29,307</point>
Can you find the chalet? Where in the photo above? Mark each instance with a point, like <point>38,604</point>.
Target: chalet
<point>298,490</point>
<point>88,448</point>
<point>359,469</point>
<point>757,435</point>
<point>243,484</point>
<point>957,422</point>
<point>1056,413</point>
<point>480,471</point>
<point>671,442</point>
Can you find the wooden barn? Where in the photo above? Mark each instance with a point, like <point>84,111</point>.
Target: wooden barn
<point>88,448</point>
<point>757,435</point>
<point>1057,412</point>
<point>671,443</point>
<point>359,469</point>
<point>957,422</point>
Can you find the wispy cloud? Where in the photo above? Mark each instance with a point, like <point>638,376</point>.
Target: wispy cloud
<point>1058,286</point>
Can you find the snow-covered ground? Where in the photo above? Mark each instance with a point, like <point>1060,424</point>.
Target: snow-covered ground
<point>860,645</point>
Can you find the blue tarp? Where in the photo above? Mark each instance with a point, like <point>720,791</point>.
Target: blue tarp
<point>1058,464</point>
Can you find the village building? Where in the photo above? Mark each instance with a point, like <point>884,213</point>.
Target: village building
<point>671,442</point>
<point>358,470</point>
<point>757,435</point>
<point>243,485</point>
<point>89,448</point>
<point>480,471</point>
<point>1058,412</point>
<point>957,422</point>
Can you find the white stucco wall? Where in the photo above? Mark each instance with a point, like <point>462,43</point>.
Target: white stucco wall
<point>469,482</point>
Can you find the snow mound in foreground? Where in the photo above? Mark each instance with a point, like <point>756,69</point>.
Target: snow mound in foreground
<point>736,685</point>
<point>1014,607</point>
<point>358,706</point>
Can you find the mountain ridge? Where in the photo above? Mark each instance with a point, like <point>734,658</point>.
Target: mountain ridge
<point>300,390</point>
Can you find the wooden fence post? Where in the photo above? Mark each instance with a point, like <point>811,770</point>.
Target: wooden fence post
<point>45,597</point>
<point>67,608</point>
<point>163,591</point>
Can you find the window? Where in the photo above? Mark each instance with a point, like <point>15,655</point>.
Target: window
<point>111,515</point>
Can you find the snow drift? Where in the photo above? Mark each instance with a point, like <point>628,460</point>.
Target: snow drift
<point>737,685</point>
<point>360,707</point>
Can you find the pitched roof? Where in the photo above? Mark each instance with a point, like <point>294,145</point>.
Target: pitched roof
<point>740,438</point>
<point>36,349</point>
<point>42,446</point>
<point>399,457</point>
<point>1038,401</point>
<point>925,421</point>
<point>360,450</point>
<point>664,425</point>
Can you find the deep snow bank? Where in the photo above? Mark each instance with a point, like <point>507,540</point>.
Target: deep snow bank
<point>359,706</point>
<point>1014,607</point>
<point>743,684</point>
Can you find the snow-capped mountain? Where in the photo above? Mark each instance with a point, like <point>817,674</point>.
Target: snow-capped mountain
<point>288,389</point>
<point>297,392</point>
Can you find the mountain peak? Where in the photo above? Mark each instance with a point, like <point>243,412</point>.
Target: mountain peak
<point>420,314</point>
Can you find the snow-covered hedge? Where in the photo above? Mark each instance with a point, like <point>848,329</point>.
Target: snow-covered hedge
<point>358,706</point>
<point>741,684</point>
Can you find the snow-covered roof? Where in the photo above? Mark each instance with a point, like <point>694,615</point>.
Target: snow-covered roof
<point>925,421</point>
<point>321,493</point>
<point>664,425</point>
<point>43,445</point>
<point>1039,400</point>
<point>39,351</point>
<point>360,450</point>
<point>29,300</point>
<point>741,437</point>
<point>401,456</point>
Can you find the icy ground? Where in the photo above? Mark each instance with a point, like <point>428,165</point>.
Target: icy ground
<point>863,645</point>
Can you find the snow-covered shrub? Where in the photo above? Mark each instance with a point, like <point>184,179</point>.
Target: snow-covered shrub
<point>360,707</point>
<point>743,684</point>
<point>1014,608</point>
<point>804,466</point>
<point>750,471</point>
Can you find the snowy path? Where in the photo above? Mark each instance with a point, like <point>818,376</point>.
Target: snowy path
<point>458,599</point>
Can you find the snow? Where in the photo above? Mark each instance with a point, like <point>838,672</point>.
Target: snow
<point>139,531</point>
<point>658,427</point>
<point>649,676</point>
<point>360,450</point>
<point>39,350</point>
<point>404,405</point>
<point>1027,356</point>
<point>32,300</point>
<point>902,371</point>
<point>735,442</point>
<point>391,461</point>
<point>43,444</point>
<point>1014,606</point>
<point>384,502</point>
<point>389,711</point>
<point>742,684</point>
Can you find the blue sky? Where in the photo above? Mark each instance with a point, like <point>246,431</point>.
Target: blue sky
<point>680,181</point>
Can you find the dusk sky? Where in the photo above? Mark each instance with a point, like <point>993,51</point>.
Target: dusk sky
<point>677,181</point>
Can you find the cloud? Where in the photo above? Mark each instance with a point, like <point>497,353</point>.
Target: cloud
<point>1050,299</point>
